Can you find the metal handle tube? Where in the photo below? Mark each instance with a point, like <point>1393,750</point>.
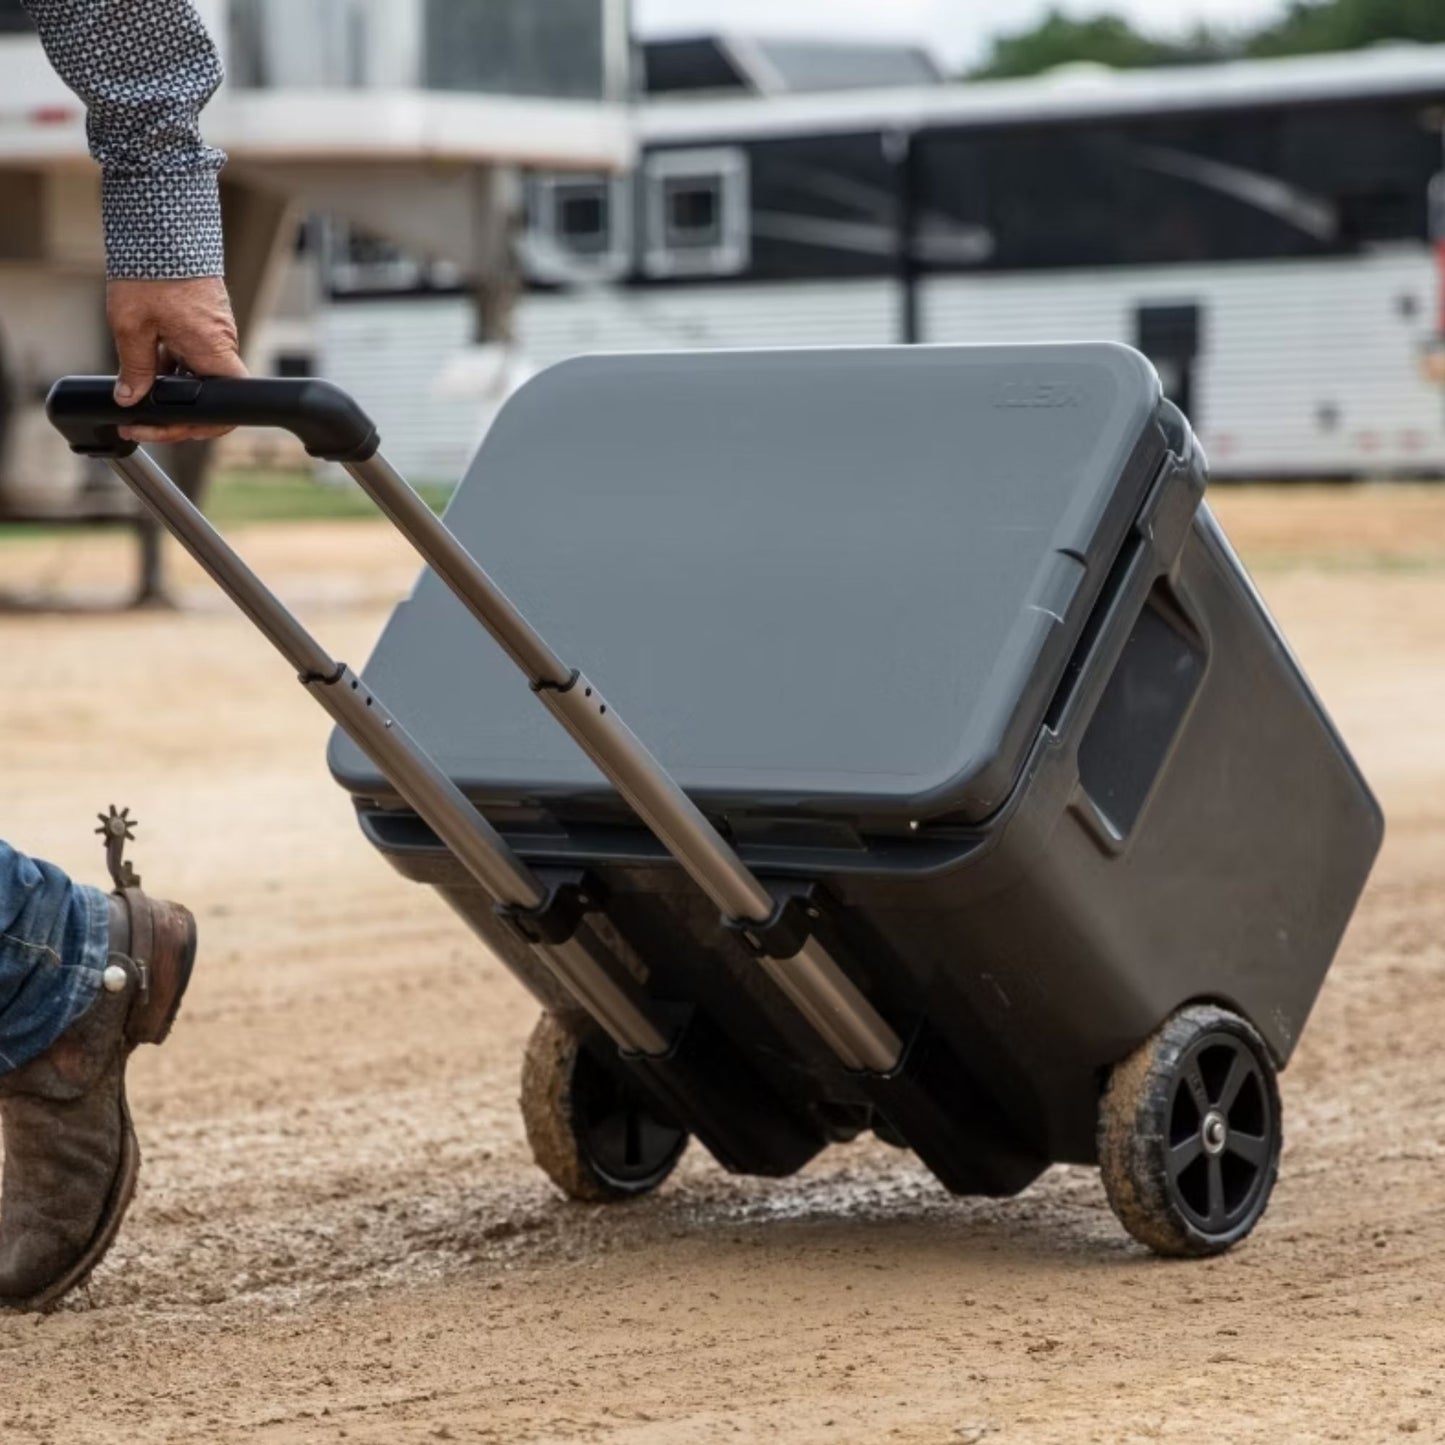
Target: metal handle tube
<point>179,515</point>
<point>611,744</point>
<point>815,982</point>
<point>578,965</point>
<point>451,561</point>
<point>426,788</point>
<point>334,427</point>
<point>436,800</point>
<point>652,793</point>
<point>836,1008</point>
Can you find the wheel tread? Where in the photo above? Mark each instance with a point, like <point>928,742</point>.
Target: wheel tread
<point>549,1069</point>
<point>1133,1135</point>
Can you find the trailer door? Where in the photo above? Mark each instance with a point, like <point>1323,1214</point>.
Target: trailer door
<point>1170,336</point>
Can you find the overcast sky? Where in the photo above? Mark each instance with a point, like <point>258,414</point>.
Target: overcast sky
<point>956,29</point>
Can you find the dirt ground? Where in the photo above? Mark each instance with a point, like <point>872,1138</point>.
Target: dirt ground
<point>340,1236</point>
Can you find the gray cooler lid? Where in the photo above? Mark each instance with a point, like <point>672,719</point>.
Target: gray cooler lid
<point>844,581</point>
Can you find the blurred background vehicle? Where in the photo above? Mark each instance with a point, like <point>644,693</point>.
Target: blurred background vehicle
<point>1259,229</point>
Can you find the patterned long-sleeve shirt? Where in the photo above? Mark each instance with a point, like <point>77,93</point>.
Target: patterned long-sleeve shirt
<point>145,70</point>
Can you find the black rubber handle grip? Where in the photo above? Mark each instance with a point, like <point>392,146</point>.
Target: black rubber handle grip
<point>327,421</point>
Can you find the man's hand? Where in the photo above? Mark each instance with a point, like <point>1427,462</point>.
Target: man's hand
<point>159,325</point>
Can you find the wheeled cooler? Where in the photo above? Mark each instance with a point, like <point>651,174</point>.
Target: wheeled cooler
<point>989,811</point>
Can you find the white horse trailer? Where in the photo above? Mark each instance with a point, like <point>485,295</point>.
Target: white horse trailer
<point>1260,229</point>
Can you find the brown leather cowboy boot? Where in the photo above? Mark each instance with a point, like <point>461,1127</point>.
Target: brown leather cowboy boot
<point>71,1155</point>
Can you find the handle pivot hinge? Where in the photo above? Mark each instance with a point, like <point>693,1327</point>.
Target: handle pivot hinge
<point>793,922</point>
<point>571,896</point>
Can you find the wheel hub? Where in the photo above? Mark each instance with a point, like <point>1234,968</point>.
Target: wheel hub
<point>1214,1132</point>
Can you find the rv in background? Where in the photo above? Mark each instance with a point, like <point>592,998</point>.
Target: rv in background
<point>1260,229</point>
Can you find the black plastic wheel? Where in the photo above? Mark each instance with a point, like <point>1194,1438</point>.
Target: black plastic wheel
<point>594,1138</point>
<point>1190,1134</point>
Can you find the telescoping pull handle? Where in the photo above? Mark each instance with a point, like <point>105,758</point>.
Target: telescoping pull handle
<point>798,961</point>
<point>324,418</point>
<point>579,962</point>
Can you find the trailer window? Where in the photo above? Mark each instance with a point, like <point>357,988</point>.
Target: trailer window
<point>579,228</point>
<point>694,212</point>
<point>582,219</point>
<point>698,221</point>
<point>355,262</point>
<point>522,47</point>
<point>1243,185</point>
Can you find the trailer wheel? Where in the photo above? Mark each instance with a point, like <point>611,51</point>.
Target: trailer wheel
<point>593,1138</point>
<point>1190,1133</point>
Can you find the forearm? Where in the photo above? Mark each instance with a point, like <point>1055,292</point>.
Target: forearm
<point>145,70</point>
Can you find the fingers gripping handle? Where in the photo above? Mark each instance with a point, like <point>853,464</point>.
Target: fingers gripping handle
<point>323,417</point>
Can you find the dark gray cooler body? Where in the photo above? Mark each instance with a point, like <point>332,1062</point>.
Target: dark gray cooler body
<point>943,637</point>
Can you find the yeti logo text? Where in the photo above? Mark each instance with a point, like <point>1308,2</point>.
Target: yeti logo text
<point>1038,394</point>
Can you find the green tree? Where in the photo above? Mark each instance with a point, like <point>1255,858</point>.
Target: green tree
<point>1305,27</point>
<point>1061,40</point>
<point>1312,26</point>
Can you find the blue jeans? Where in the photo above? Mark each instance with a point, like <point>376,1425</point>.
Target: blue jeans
<point>54,940</point>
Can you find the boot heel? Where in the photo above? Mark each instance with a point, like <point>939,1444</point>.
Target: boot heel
<point>164,946</point>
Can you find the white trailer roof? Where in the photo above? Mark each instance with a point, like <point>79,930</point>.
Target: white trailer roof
<point>1072,92</point>
<point>42,123</point>
<point>397,124</point>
